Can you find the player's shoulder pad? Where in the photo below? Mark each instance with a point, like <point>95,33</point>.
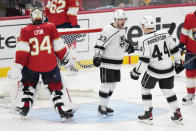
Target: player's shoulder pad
<point>108,30</point>
<point>26,28</point>
<point>49,23</point>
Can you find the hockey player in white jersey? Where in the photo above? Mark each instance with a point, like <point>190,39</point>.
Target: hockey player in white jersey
<point>109,53</point>
<point>156,48</point>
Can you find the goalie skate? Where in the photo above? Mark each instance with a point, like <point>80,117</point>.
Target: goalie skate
<point>146,118</point>
<point>22,111</point>
<point>66,116</point>
<point>188,99</point>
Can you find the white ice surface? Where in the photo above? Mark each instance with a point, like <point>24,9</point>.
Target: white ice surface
<point>128,90</point>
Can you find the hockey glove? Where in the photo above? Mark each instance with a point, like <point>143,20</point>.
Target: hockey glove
<point>134,74</point>
<point>181,47</point>
<point>15,72</point>
<point>97,60</point>
<point>76,26</point>
<point>179,67</point>
<point>130,48</point>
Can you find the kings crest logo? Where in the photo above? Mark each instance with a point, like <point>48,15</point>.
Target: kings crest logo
<point>194,34</point>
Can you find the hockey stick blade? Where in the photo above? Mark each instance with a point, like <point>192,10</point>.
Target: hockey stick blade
<point>172,28</point>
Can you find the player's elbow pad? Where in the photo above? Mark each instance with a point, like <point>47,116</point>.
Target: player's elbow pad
<point>99,47</point>
<point>174,50</point>
<point>144,60</point>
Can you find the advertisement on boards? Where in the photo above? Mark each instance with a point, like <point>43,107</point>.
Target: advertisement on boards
<point>9,29</point>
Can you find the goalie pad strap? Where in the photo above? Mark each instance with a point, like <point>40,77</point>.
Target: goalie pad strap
<point>28,93</point>
<point>56,98</point>
<point>59,105</point>
<point>27,100</point>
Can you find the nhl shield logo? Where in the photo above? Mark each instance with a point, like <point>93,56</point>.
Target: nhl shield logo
<point>194,33</point>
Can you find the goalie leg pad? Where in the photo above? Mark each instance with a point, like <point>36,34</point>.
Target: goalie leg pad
<point>59,96</point>
<point>26,98</point>
<point>61,105</point>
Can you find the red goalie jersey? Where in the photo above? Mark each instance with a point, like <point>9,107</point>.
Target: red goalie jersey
<point>62,11</point>
<point>38,46</point>
<point>188,32</point>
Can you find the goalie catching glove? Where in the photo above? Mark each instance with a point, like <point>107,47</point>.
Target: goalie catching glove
<point>134,74</point>
<point>15,72</point>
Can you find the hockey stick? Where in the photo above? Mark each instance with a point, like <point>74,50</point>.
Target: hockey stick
<point>172,28</point>
<point>191,53</point>
<point>188,61</point>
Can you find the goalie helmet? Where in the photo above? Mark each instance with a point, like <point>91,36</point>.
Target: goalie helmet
<point>36,14</point>
<point>120,14</point>
<point>148,21</point>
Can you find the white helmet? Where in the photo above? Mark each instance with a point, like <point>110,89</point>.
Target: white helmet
<point>120,14</point>
<point>148,21</point>
<point>36,14</point>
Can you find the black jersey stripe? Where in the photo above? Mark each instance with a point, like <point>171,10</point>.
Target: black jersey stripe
<point>110,37</point>
<point>99,47</point>
<point>144,59</point>
<point>169,70</point>
<point>110,61</point>
<point>174,50</point>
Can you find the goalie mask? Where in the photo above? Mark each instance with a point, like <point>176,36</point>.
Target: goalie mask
<point>148,22</point>
<point>36,15</point>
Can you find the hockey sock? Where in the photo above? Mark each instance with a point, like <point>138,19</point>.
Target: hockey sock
<point>104,93</point>
<point>171,99</point>
<point>146,98</point>
<point>111,87</point>
<point>190,84</point>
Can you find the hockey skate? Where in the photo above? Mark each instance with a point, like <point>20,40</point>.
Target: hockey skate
<point>66,115</point>
<point>23,111</point>
<point>177,117</point>
<point>102,111</point>
<point>110,111</point>
<point>188,99</point>
<point>147,117</point>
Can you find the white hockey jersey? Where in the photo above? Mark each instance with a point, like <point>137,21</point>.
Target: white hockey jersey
<point>156,49</point>
<point>111,46</point>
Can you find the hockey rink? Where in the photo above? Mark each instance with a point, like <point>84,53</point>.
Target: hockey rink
<point>126,102</point>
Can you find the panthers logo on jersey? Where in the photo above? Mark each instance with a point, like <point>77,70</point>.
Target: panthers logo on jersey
<point>194,34</point>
